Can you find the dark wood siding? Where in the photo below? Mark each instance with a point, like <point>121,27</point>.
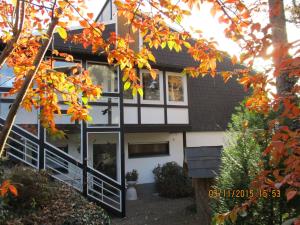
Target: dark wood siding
<point>203,162</point>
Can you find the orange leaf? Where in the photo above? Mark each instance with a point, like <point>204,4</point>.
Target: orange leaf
<point>83,23</point>
<point>234,59</point>
<point>90,15</point>
<point>13,190</point>
<point>291,194</point>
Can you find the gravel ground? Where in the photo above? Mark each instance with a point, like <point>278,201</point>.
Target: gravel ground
<point>159,211</point>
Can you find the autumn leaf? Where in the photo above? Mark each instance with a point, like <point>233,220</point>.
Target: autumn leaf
<point>62,32</point>
<point>13,190</point>
<point>290,194</point>
<point>234,60</point>
<point>127,85</point>
<point>140,91</point>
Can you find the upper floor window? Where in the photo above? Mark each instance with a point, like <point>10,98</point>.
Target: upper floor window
<point>104,75</point>
<point>6,76</point>
<point>176,89</point>
<point>68,68</point>
<point>153,88</point>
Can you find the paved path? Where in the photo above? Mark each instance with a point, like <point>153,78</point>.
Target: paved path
<point>159,211</point>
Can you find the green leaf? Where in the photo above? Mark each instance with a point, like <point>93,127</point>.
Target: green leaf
<point>62,32</point>
<point>127,85</point>
<point>84,100</point>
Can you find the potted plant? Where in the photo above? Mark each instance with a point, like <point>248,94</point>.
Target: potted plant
<point>131,179</point>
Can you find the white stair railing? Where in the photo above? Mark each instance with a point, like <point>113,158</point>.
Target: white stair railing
<point>24,147</point>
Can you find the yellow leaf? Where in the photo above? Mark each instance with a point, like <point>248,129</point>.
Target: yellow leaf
<point>14,2</point>
<point>151,57</point>
<point>141,92</point>
<point>187,44</point>
<point>62,32</point>
<point>153,74</point>
<point>178,19</point>
<point>127,85</point>
<point>171,44</point>
<point>163,45</point>
<point>234,59</point>
<point>213,64</point>
<point>62,4</point>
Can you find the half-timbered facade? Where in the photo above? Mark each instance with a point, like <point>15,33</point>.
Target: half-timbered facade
<point>127,132</point>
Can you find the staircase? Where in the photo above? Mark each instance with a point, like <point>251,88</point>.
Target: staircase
<point>33,151</point>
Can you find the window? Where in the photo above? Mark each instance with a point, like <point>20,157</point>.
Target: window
<point>105,113</point>
<point>176,89</point>
<point>148,150</point>
<point>104,75</point>
<point>6,76</point>
<point>69,68</point>
<point>153,88</point>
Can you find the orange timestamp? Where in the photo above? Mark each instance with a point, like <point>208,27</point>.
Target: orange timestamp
<point>243,193</point>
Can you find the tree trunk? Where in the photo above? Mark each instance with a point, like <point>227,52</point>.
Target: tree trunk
<point>202,187</point>
<point>280,41</point>
<point>23,90</point>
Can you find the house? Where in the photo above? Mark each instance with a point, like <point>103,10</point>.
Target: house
<point>126,132</point>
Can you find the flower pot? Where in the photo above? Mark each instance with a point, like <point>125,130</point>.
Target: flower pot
<point>131,191</point>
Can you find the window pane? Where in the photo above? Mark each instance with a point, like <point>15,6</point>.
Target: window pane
<point>69,68</point>
<point>71,139</point>
<point>103,153</point>
<point>128,94</point>
<point>104,75</point>
<point>26,120</point>
<point>6,76</point>
<point>151,87</point>
<point>175,85</point>
<point>105,113</point>
<point>146,150</point>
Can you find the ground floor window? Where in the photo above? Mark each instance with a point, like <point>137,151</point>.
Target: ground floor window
<point>148,149</point>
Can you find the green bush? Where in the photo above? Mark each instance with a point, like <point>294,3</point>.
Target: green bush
<point>171,181</point>
<point>44,201</point>
<point>248,137</point>
<point>34,189</point>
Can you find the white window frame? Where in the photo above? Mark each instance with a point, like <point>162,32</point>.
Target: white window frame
<point>161,88</point>
<point>184,82</point>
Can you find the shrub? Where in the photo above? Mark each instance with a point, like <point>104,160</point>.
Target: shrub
<point>34,188</point>
<point>248,137</point>
<point>132,175</point>
<point>171,181</point>
<point>44,201</point>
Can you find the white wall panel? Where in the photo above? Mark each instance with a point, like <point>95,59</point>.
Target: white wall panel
<point>178,116</point>
<point>130,115</point>
<point>145,165</point>
<point>197,139</point>
<point>152,115</point>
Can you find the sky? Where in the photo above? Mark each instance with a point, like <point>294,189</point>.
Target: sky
<point>209,25</point>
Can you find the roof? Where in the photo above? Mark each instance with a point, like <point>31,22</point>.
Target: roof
<point>70,47</point>
<point>212,102</point>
